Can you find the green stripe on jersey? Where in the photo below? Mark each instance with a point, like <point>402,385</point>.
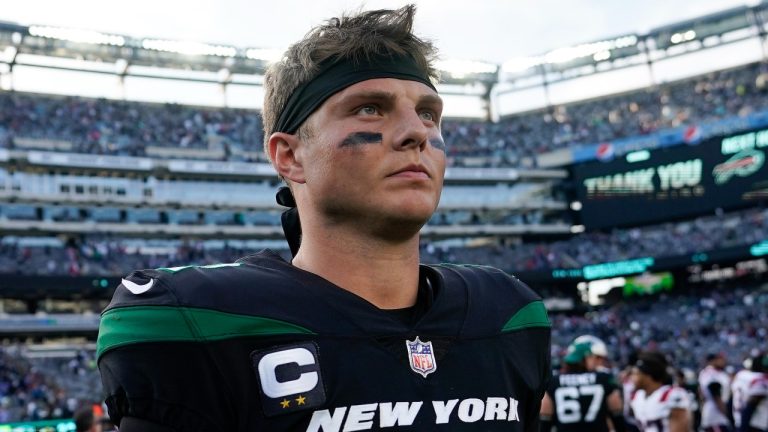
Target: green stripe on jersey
<point>140,324</point>
<point>531,315</point>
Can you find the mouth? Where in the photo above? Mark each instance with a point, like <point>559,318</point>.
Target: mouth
<point>412,171</point>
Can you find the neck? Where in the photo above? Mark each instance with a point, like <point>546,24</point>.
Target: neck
<point>384,273</point>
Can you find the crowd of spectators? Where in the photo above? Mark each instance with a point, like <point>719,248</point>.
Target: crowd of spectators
<point>110,256</point>
<point>718,231</point>
<point>45,388</point>
<point>99,126</point>
<point>111,127</point>
<point>517,139</point>
<point>43,212</point>
<point>103,256</point>
<point>729,319</point>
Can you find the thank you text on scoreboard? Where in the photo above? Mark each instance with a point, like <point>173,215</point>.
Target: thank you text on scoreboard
<point>673,177</point>
<point>688,180</point>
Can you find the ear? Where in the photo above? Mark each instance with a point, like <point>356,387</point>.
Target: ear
<point>284,150</point>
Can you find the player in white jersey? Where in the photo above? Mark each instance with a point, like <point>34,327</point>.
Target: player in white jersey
<point>656,404</point>
<point>750,396</point>
<point>715,389</point>
<point>755,415</point>
<point>741,383</point>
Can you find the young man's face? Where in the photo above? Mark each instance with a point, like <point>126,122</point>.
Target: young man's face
<point>375,156</point>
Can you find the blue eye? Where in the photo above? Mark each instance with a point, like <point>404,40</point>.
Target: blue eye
<point>368,110</point>
<point>427,115</point>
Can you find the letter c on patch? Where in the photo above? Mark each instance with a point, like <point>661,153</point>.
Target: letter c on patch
<point>269,364</point>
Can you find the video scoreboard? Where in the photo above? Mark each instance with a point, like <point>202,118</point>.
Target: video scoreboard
<point>650,186</point>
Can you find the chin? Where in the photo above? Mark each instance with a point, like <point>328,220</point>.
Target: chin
<point>417,213</point>
<point>415,205</point>
<point>400,223</point>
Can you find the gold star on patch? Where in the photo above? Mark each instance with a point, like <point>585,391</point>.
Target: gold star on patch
<point>301,400</point>
<point>285,403</point>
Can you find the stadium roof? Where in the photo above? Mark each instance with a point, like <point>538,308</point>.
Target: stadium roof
<point>471,83</point>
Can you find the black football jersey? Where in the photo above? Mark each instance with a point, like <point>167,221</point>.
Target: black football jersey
<point>260,345</point>
<point>580,401</point>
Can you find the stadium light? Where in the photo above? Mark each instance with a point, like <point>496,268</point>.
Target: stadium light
<point>76,35</point>
<point>520,64</point>
<point>563,55</point>
<point>264,54</point>
<point>463,68</point>
<point>188,47</point>
<point>599,51</point>
<point>683,37</point>
<point>577,229</point>
<point>601,56</point>
<point>596,289</point>
<point>576,206</point>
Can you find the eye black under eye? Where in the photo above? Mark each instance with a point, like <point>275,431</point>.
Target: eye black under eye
<point>356,139</point>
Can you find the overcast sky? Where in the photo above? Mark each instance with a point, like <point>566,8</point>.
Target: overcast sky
<point>489,30</point>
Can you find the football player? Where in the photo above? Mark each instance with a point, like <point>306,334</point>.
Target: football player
<point>581,399</point>
<point>353,334</point>
<point>750,395</point>
<point>657,405</point>
<point>715,390</point>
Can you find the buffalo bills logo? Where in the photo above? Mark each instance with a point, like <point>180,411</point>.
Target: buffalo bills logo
<point>421,356</point>
<point>742,164</point>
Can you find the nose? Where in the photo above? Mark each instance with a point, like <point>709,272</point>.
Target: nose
<point>411,131</point>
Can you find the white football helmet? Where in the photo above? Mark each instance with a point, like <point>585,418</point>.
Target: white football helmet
<point>596,345</point>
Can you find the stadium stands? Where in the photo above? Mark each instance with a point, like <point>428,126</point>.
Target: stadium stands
<point>668,239</point>
<point>40,388</point>
<point>687,324</point>
<point>111,127</point>
<point>122,128</point>
<point>114,256</point>
<point>685,327</point>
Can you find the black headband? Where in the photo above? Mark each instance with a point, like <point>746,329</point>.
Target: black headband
<point>336,75</point>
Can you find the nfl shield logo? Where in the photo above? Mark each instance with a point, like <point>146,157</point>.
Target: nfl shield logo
<point>421,356</point>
